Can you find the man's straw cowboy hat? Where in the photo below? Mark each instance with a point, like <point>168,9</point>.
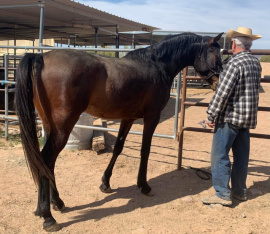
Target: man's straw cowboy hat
<point>242,32</point>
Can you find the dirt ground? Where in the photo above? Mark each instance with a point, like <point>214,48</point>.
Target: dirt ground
<point>176,206</point>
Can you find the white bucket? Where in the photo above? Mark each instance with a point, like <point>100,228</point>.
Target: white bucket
<point>80,138</point>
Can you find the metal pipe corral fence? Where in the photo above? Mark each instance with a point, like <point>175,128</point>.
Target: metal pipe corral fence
<point>185,103</point>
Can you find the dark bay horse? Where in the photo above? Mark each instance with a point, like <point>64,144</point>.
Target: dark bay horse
<point>61,85</point>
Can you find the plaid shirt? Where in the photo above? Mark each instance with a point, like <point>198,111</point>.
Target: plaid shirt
<point>237,96</point>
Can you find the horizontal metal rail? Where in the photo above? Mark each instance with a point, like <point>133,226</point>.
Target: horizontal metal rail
<point>93,127</point>
<point>194,129</point>
<point>205,104</point>
<point>26,5</point>
<point>64,48</point>
<point>254,51</point>
<point>7,82</point>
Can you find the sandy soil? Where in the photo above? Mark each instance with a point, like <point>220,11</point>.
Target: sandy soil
<point>176,206</point>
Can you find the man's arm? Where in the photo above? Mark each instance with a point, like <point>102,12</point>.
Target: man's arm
<point>225,88</point>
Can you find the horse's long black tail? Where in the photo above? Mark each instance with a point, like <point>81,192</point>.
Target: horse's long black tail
<point>29,70</point>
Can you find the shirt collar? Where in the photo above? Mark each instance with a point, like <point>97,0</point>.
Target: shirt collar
<point>241,53</point>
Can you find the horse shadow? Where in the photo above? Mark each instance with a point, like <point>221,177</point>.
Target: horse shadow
<point>167,188</point>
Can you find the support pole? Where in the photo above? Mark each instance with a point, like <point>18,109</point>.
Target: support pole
<point>75,41</point>
<point>15,51</point>
<point>41,26</point>
<point>133,42</point>
<point>96,38</point>
<point>117,41</point>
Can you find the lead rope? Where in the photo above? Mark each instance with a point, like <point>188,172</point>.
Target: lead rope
<point>204,175</point>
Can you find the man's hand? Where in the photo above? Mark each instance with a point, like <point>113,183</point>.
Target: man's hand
<point>209,124</point>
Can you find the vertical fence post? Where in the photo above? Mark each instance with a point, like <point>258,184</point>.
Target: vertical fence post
<point>6,95</point>
<point>178,88</point>
<point>182,118</point>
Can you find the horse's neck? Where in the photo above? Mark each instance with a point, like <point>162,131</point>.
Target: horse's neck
<point>178,58</point>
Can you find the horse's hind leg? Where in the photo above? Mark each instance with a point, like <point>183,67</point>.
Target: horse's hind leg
<point>43,209</point>
<point>55,142</point>
<point>50,155</point>
<point>150,123</point>
<point>125,126</point>
<point>56,201</point>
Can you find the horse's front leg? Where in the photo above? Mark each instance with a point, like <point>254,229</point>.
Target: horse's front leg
<point>125,126</point>
<point>150,123</point>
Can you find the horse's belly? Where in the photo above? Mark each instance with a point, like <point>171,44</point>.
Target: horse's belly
<point>114,113</point>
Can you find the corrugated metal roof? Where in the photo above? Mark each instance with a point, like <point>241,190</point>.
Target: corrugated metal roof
<point>64,19</point>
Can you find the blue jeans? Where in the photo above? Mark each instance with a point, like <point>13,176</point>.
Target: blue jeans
<point>226,137</point>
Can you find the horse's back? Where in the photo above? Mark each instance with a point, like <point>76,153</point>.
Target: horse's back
<point>101,86</point>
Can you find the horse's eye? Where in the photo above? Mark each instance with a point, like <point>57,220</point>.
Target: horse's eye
<point>210,50</point>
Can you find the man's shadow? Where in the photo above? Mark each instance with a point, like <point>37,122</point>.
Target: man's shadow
<point>260,187</point>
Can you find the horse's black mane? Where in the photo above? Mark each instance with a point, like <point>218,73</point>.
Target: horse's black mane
<point>174,51</point>
<point>171,44</point>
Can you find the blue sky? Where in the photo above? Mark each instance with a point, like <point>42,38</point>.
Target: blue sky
<point>194,15</point>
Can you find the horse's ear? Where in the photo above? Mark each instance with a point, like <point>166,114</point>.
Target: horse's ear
<point>215,39</point>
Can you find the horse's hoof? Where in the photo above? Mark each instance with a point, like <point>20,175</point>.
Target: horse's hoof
<point>62,209</point>
<point>52,228</point>
<point>146,191</point>
<point>105,189</point>
<point>150,194</point>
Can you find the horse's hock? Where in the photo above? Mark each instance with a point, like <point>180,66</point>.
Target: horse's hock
<point>80,138</point>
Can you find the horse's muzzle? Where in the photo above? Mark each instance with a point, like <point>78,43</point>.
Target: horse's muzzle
<point>215,81</point>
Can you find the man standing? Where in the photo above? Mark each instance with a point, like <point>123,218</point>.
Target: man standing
<point>232,112</point>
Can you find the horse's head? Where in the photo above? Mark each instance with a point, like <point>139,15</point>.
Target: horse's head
<point>208,61</point>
